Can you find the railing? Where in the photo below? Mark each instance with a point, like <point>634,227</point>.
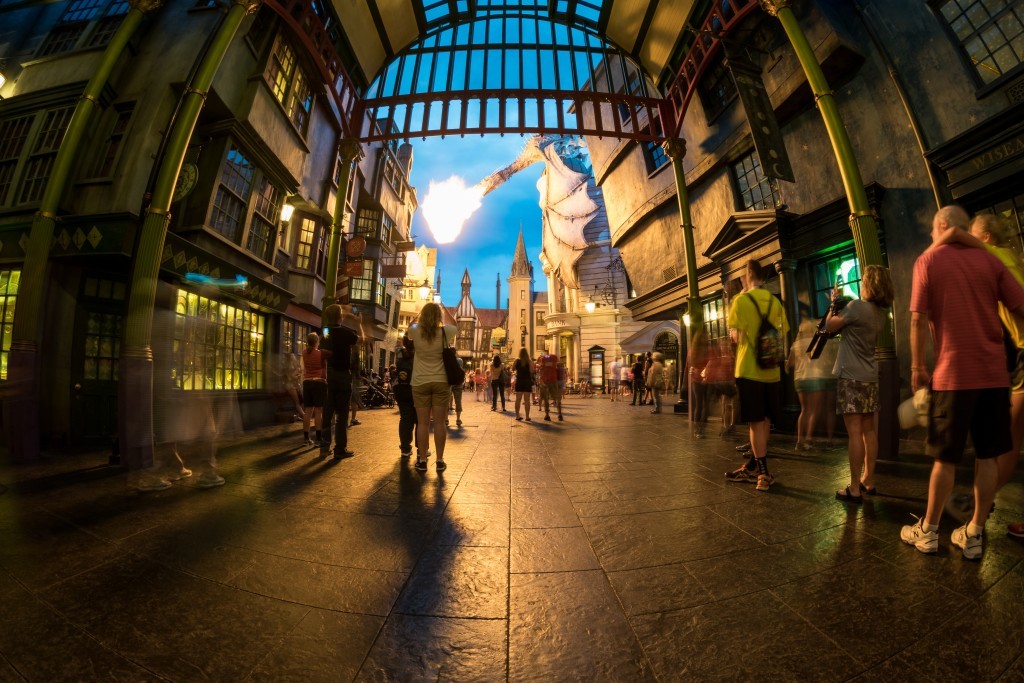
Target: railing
<point>309,29</point>
<point>723,17</point>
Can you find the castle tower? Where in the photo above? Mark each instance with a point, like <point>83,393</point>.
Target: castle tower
<point>465,316</point>
<point>520,302</point>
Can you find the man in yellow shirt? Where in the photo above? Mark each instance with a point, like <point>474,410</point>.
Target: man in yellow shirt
<point>759,386</point>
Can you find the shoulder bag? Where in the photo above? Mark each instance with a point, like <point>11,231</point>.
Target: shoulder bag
<point>452,370</point>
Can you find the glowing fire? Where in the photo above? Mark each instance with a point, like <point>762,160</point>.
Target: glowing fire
<point>448,205</point>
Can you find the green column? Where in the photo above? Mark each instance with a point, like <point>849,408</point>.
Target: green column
<point>135,391</point>
<point>675,149</point>
<point>348,150</point>
<point>22,408</point>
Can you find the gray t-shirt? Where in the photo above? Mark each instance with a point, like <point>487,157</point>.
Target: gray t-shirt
<point>856,359</point>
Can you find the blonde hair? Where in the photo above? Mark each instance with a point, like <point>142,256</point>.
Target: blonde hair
<point>430,320</point>
<point>312,341</point>
<point>876,286</point>
<point>995,226</point>
<point>333,313</point>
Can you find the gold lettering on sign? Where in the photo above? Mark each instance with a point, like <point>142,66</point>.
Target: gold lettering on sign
<point>1007,150</point>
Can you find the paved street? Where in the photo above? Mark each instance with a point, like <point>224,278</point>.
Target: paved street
<point>605,548</point>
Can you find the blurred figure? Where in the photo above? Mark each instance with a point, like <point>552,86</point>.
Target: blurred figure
<point>456,404</point>
<point>720,383</point>
<point>613,378</point>
<point>655,380</point>
<point>356,400</point>
<point>638,381</point>
<point>697,362</point>
<point>809,383</point>
<point>861,321</point>
<point>478,382</point>
<point>625,380</point>
<point>497,383</point>
<point>548,373</point>
<point>314,385</point>
<point>340,342</point>
<point>524,382</point>
<point>403,396</point>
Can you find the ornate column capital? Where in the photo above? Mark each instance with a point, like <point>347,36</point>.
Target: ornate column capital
<point>772,7</point>
<point>785,266</point>
<point>146,6</point>
<point>250,5</point>
<point>675,148</point>
<point>349,149</point>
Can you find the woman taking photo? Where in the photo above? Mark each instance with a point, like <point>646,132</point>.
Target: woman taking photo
<point>524,382</point>
<point>431,392</point>
<point>861,321</point>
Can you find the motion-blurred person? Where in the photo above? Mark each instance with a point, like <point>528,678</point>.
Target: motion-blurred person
<point>403,396</point>
<point>547,371</point>
<point>456,404</point>
<point>356,400</point>
<point>720,380</point>
<point>497,371</point>
<point>954,301</point>
<point>314,386</point>
<point>655,380</point>
<point>861,321</point>
<point>524,383</point>
<point>809,384</point>
<point>697,362</point>
<point>638,381</point>
<point>340,342</point>
<point>613,378</point>
<point>625,380</point>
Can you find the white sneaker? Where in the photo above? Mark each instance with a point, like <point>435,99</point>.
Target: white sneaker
<point>972,546</point>
<point>924,541</point>
<point>209,480</point>
<point>183,473</point>
<point>149,483</point>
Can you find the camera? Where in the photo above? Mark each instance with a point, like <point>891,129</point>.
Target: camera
<point>821,336</point>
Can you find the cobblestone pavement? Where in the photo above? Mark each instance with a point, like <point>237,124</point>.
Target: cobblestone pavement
<point>605,548</point>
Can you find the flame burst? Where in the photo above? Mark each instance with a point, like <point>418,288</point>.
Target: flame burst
<point>447,207</point>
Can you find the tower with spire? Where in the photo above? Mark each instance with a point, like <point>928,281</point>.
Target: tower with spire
<point>520,300</point>
<point>465,318</point>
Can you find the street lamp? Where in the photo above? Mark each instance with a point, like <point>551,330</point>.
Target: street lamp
<point>286,212</point>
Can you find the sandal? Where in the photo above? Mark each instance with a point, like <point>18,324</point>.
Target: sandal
<point>869,490</point>
<point>848,497</point>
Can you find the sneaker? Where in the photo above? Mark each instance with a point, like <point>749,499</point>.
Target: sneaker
<point>972,546</point>
<point>152,483</point>
<point>547,418</point>
<point>309,442</point>
<point>458,423</point>
<point>183,473</point>
<point>924,541</point>
<point>441,465</point>
<point>353,423</point>
<point>209,480</point>
<point>1015,530</point>
<point>342,454</point>
<point>743,448</point>
<point>561,419</point>
<point>764,482</point>
<point>741,474</point>
<point>421,465</point>
<point>406,454</point>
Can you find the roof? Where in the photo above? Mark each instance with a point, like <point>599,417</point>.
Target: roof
<point>540,298</point>
<point>448,316</point>
<point>491,317</point>
<point>378,30</point>
<point>520,264</point>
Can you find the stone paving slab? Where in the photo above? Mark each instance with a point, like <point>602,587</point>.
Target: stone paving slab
<point>608,547</point>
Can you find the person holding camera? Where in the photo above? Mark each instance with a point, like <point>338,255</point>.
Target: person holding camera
<point>861,321</point>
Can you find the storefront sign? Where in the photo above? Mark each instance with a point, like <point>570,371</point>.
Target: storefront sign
<point>764,127</point>
<point>668,345</point>
<point>991,157</point>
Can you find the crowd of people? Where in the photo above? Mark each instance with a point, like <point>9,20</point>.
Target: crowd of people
<point>967,300</point>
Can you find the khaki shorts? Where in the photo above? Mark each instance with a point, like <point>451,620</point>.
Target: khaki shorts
<point>431,394</point>
<point>553,391</point>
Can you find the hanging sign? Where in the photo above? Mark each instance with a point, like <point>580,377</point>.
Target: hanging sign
<point>355,247</point>
<point>764,127</point>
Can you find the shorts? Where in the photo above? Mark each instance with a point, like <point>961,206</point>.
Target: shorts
<point>457,396</point>
<point>553,391</point>
<point>856,398</point>
<point>982,413</point>
<point>432,395</point>
<point>314,393</point>
<point>758,400</point>
<point>356,397</point>
<point>810,385</point>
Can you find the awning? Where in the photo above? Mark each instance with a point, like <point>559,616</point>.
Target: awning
<point>643,341</point>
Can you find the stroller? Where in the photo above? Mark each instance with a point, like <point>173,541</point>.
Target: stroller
<point>376,394</point>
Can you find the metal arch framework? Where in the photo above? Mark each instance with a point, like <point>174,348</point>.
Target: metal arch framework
<point>562,101</point>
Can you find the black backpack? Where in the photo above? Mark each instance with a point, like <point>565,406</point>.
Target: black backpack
<point>770,349</point>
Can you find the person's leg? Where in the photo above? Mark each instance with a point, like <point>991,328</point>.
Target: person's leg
<point>457,393</point>
<point>406,424</point>
<point>344,393</point>
<point>306,416</point>
<point>440,435</point>
<point>423,432</point>
<point>519,401</point>
<point>828,407</point>
<point>815,404</point>
<point>801,420</point>
<point>986,479</point>
<point>870,431</point>
<point>329,409</point>
<point>293,394</point>
<point>318,420</point>
<point>494,395</point>
<point>526,398</point>
<point>940,485</point>
<point>853,424</point>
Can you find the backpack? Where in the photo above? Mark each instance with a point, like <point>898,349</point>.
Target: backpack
<point>769,345</point>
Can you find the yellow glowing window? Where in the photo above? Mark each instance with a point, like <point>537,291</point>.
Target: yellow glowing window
<point>217,346</point>
<point>8,297</point>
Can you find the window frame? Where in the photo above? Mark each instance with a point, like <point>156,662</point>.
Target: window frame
<point>756,169</point>
<point>83,23</point>
<point>10,278</point>
<point>31,154</point>
<point>723,97</point>
<point>289,84</point>
<point>982,88</point>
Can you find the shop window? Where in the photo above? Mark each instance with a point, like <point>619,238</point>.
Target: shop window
<point>465,338</point>
<point>714,318</point>
<point>756,190</point>
<point>13,136</point>
<point>309,254</point>
<point>990,34</point>
<point>361,288</point>
<point>217,347</point>
<point>368,223</point>
<point>380,297</point>
<point>235,196</point>
<point>289,83</point>
<point>716,90</point>
<point>97,19</point>
<point>44,153</point>
<point>102,346</point>
<point>293,336</point>
<point>114,140</point>
<point>8,298</point>
<point>825,273</point>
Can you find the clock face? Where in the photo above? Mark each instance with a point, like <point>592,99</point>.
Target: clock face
<point>186,181</point>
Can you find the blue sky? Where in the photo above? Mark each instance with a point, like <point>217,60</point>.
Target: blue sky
<point>488,240</point>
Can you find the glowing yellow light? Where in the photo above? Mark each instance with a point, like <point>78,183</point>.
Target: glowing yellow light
<point>447,207</point>
<point>686,319</point>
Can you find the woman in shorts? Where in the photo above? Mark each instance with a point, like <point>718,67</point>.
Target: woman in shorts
<point>810,380</point>
<point>314,385</point>
<point>431,392</point>
<point>861,321</point>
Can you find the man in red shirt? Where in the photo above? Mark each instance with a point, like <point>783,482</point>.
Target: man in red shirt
<point>954,299</point>
<point>547,372</point>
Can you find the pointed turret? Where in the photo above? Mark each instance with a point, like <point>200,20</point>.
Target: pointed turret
<point>465,310</point>
<point>520,264</point>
